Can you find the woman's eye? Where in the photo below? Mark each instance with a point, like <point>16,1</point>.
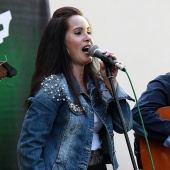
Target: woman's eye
<point>77,33</point>
<point>89,32</point>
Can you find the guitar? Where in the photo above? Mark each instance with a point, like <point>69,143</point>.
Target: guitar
<point>160,154</point>
<point>7,70</point>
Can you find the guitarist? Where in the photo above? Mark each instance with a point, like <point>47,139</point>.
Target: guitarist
<point>7,70</point>
<point>157,95</point>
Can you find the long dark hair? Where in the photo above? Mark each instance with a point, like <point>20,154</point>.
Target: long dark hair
<point>52,55</point>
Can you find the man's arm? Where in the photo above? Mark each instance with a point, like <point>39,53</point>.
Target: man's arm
<point>157,95</point>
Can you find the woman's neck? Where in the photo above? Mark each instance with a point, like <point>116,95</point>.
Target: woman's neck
<point>78,72</point>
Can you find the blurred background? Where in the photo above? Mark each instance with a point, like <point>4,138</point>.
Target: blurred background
<point>137,32</point>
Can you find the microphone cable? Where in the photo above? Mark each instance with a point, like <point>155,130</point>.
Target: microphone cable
<point>143,126</point>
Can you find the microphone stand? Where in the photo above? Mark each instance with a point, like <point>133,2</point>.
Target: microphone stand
<point>110,76</point>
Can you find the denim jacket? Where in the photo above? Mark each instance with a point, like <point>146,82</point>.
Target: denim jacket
<point>57,133</point>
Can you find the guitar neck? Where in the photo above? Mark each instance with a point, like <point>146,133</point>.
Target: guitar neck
<point>7,70</point>
<point>3,71</point>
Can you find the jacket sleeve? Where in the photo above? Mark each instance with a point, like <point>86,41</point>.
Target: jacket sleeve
<point>157,95</point>
<point>36,127</point>
<point>124,109</point>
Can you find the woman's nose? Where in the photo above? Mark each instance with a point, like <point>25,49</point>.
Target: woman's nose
<point>87,37</point>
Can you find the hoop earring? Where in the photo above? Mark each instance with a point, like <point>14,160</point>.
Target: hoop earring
<point>68,51</point>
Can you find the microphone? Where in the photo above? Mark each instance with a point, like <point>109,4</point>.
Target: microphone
<point>94,51</point>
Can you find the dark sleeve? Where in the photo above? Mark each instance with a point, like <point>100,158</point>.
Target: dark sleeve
<point>157,95</point>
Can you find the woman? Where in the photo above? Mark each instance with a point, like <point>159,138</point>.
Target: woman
<point>71,113</point>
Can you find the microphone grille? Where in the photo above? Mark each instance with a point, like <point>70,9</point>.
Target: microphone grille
<point>92,49</point>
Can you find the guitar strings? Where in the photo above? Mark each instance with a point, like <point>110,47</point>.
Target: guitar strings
<point>2,62</point>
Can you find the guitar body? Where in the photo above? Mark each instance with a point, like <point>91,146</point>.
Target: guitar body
<point>160,154</point>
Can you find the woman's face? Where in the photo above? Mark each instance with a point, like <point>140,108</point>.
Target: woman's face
<point>77,38</point>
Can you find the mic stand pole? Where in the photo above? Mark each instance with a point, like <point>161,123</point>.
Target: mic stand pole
<point>110,76</point>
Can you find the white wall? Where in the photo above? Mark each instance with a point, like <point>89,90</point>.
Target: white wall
<point>138,32</point>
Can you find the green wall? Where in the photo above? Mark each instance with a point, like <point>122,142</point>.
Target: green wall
<point>28,18</point>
